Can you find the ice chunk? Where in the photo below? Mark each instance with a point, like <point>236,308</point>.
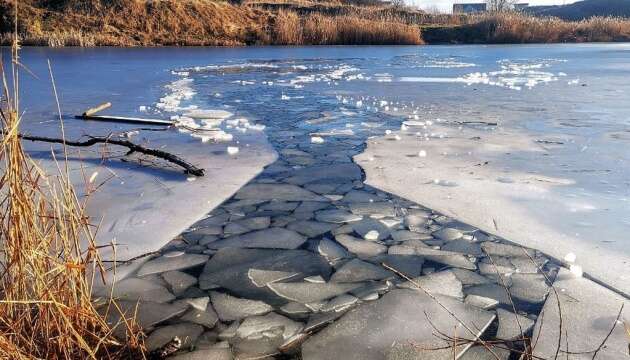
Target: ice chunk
<point>232,150</point>
<point>576,270</point>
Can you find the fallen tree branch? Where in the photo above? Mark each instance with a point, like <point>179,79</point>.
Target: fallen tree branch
<point>93,140</point>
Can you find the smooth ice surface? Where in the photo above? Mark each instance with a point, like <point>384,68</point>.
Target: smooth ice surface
<point>587,308</point>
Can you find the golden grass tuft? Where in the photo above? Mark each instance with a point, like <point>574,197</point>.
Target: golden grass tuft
<point>46,310</point>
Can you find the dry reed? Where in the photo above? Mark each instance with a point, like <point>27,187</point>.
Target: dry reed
<point>521,28</point>
<point>46,311</point>
<point>318,29</point>
<point>284,22</point>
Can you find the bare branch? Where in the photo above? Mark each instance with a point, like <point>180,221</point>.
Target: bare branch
<point>93,140</point>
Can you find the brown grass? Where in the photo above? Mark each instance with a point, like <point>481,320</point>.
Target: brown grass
<point>317,29</point>
<point>520,28</point>
<point>282,22</point>
<point>46,310</point>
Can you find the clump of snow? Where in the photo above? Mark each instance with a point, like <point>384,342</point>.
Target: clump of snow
<point>371,235</point>
<point>422,153</point>
<point>570,257</point>
<point>180,90</point>
<point>576,270</point>
<point>413,123</point>
<point>256,127</point>
<point>232,150</point>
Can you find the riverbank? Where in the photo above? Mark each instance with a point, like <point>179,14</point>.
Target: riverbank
<point>211,23</point>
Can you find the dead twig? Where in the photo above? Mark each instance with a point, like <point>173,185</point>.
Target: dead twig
<point>609,333</point>
<point>555,292</point>
<point>93,140</point>
<point>509,296</point>
<point>415,283</point>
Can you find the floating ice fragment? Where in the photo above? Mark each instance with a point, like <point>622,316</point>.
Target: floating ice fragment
<point>371,235</point>
<point>570,257</point>
<point>387,132</point>
<point>397,137</point>
<point>232,150</point>
<point>256,127</point>
<point>130,134</point>
<point>413,123</point>
<point>576,270</point>
<point>142,108</point>
<point>422,153</point>
<point>317,140</point>
<point>403,127</point>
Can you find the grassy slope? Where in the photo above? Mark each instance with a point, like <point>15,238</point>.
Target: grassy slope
<point>133,23</point>
<point>293,22</point>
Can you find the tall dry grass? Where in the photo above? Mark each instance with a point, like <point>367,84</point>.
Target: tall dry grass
<point>522,28</point>
<point>285,22</point>
<point>46,310</point>
<point>519,28</point>
<point>316,29</point>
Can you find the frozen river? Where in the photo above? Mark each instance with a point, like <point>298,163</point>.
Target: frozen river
<point>538,134</point>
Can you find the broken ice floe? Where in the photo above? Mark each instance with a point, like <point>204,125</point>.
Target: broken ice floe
<point>512,75</point>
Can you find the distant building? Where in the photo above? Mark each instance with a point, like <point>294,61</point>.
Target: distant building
<point>469,8</point>
<point>521,6</point>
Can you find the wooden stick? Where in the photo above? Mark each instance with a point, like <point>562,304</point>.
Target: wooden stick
<point>92,140</point>
<point>123,119</point>
<point>94,110</point>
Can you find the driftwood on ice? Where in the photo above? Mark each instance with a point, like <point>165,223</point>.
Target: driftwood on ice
<point>92,140</point>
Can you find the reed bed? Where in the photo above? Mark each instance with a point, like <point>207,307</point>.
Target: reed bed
<point>316,29</point>
<point>48,258</point>
<point>521,28</point>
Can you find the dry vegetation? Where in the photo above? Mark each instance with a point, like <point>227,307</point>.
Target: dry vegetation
<point>316,29</point>
<point>518,28</point>
<point>47,254</point>
<point>282,22</point>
